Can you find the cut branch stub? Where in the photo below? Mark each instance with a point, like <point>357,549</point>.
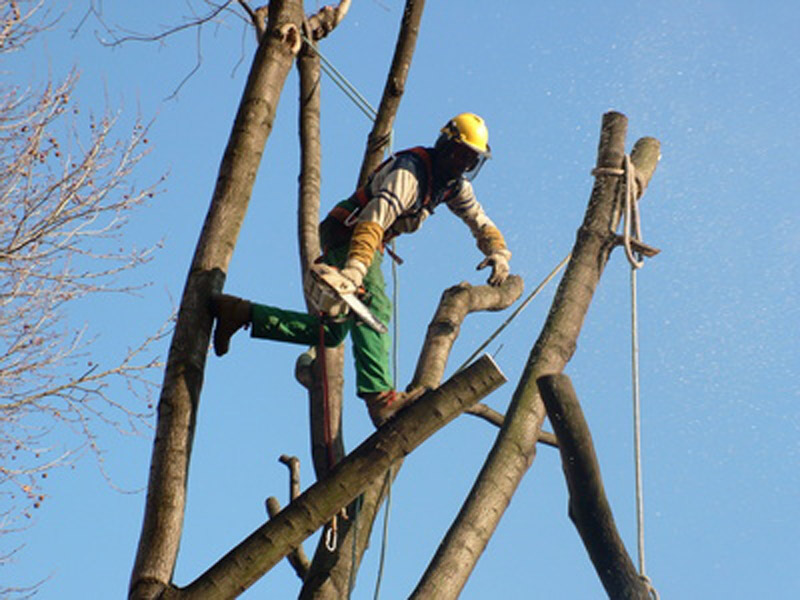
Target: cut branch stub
<point>325,20</point>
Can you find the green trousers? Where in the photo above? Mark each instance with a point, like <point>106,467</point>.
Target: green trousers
<point>370,348</point>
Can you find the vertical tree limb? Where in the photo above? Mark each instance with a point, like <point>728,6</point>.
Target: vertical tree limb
<point>309,68</point>
<point>381,132</point>
<point>331,574</point>
<point>183,378</point>
<point>589,509</point>
<point>308,232</point>
<point>515,447</point>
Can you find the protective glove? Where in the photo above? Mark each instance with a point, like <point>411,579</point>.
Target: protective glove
<point>500,269</point>
<point>323,299</point>
<point>354,270</point>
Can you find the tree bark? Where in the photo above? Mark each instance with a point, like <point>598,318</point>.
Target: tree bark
<point>260,551</point>
<point>330,573</point>
<point>183,378</point>
<point>589,509</point>
<point>381,133</point>
<point>323,455</point>
<point>456,303</point>
<point>515,447</point>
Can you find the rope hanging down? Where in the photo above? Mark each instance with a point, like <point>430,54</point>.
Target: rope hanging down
<point>634,251</point>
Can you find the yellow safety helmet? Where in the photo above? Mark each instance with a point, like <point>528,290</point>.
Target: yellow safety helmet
<point>471,130</point>
<point>468,130</point>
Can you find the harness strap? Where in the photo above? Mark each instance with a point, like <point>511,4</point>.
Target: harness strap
<point>360,198</point>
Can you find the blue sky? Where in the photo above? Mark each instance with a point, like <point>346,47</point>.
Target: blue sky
<point>718,83</point>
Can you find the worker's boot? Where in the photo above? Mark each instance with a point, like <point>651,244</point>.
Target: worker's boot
<point>232,314</point>
<point>382,406</point>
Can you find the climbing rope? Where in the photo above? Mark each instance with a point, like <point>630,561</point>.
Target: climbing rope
<point>632,233</point>
<point>343,83</point>
<point>387,485</point>
<point>631,215</point>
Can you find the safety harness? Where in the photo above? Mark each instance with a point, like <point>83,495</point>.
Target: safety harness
<point>337,228</point>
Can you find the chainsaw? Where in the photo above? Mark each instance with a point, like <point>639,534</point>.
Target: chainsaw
<point>327,288</point>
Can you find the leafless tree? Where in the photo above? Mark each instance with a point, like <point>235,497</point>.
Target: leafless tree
<point>65,199</point>
<point>285,37</point>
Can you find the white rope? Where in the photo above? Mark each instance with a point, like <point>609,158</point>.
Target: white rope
<point>631,215</point>
<point>632,231</point>
<point>637,427</point>
<point>340,80</point>
<point>385,542</point>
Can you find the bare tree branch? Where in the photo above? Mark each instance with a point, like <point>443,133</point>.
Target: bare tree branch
<point>456,303</point>
<point>588,506</point>
<point>260,551</point>
<point>332,574</point>
<point>65,200</point>
<point>20,21</point>
<point>515,447</point>
<point>183,377</point>
<point>297,557</point>
<point>490,415</point>
<point>393,90</point>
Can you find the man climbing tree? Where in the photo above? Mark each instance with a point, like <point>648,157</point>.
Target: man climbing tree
<point>397,198</point>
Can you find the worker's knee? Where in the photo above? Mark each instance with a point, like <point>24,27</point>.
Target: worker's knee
<point>335,333</point>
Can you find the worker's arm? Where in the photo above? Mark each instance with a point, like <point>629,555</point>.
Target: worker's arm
<point>396,187</point>
<point>488,237</point>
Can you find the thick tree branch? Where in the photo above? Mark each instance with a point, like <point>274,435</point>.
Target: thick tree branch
<point>260,551</point>
<point>515,447</point>
<point>456,303</point>
<point>183,378</point>
<point>589,509</point>
<point>331,573</point>
<point>381,132</point>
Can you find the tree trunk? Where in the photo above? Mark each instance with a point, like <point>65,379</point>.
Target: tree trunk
<point>325,415</point>
<point>331,573</point>
<point>515,447</point>
<point>183,378</point>
<point>589,509</point>
<point>254,556</point>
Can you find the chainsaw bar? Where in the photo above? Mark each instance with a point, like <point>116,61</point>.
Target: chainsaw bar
<point>341,288</point>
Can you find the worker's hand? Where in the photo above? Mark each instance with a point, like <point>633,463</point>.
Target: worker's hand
<point>354,270</point>
<point>500,268</point>
<point>336,309</point>
<point>322,298</point>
